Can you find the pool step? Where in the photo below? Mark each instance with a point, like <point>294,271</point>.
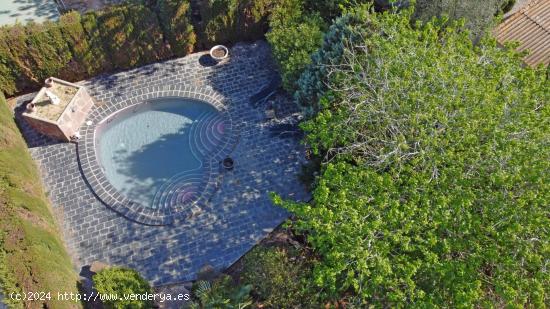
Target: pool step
<point>207,133</point>
<point>182,188</point>
<point>208,137</point>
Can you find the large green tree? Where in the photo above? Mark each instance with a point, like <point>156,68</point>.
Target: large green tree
<point>294,36</point>
<point>435,186</point>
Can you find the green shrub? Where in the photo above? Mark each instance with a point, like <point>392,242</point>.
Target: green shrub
<point>83,63</point>
<point>76,47</point>
<point>175,20</point>
<point>131,35</point>
<point>31,53</point>
<point>507,5</point>
<point>437,190</point>
<point>10,70</point>
<point>122,281</point>
<point>279,277</point>
<point>96,59</point>
<point>331,9</point>
<point>231,21</point>
<point>73,33</point>
<point>48,51</point>
<point>220,293</point>
<point>344,31</point>
<point>32,255</point>
<point>479,15</point>
<point>293,38</point>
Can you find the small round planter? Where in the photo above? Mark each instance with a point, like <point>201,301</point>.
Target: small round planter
<point>31,107</point>
<point>48,82</point>
<point>228,163</point>
<point>219,52</point>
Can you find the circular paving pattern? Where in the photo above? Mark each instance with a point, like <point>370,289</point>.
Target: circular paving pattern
<point>209,137</point>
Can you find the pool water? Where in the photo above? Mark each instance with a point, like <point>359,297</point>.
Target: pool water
<point>23,11</point>
<point>159,147</point>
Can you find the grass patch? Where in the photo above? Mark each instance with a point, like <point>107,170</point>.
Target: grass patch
<point>32,255</point>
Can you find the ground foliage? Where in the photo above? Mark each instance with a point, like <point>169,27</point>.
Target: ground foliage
<point>280,277</point>
<point>294,36</point>
<point>479,15</point>
<point>176,22</point>
<point>232,21</point>
<point>435,186</point>
<point>118,282</point>
<point>77,47</point>
<point>220,293</point>
<point>32,255</point>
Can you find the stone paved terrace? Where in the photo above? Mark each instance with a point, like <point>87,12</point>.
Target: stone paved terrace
<point>238,215</point>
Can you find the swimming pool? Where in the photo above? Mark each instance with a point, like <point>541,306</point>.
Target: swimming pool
<point>23,11</point>
<point>157,154</point>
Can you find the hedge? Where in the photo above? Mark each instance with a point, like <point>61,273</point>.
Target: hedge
<point>175,20</point>
<point>32,255</point>
<point>231,21</point>
<point>76,47</point>
<point>294,37</point>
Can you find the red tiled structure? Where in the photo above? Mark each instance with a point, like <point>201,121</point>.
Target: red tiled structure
<point>60,121</point>
<point>530,26</point>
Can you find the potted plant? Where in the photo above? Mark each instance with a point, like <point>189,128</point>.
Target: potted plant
<point>228,163</point>
<point>219,52</point>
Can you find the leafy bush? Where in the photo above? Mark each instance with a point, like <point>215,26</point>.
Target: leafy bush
<point>231,21</point>
<point>30,54</point>
<point>293,38</point>
<point>437,191</point>
<point>507,5</point>
<point>11,75</point>
<point>46,49</point>
<point>331,9</point>
<point>279,277</point>
<point>122,281</point>
<point>79,67</point>
<point>77,47</point>
<point>221,294</point>
<point>345,30</point>
<point>175,19</point>
<point>96,59</point>
<point>327,8</point>
<point>32,255</point>
<point>131,35</point>
<point>478,14</point>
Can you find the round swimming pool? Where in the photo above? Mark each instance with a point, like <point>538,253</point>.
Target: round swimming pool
<point>157,153</point>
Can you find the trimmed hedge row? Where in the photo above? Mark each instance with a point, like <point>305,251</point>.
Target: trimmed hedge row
<point>119,37</point>
<point>77,47</point>
<point>173,15</point>
<point>230,21</point>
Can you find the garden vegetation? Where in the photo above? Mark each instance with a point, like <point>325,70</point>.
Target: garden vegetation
<point>32,255</point>
<point>121,37</point>
<point>435,184</point>
<point>433,146</point>
<point>118,283</point>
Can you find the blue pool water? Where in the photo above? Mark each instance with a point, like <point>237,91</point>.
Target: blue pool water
<point>23,11</point>
<point>158,147</point>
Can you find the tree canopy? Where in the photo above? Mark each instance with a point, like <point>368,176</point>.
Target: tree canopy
<point>435,188</point>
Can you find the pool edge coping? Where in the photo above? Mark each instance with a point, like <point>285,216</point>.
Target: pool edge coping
<point>93,175</point>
